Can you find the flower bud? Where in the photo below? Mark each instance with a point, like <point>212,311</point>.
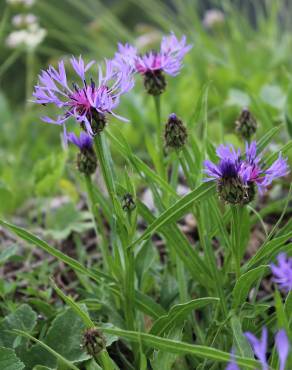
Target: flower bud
<point>128,203</point>
<point>87,161</point>
<point>246,124</point>
<point>154,82</point>
<point>93,341</point>
<point>175,133</point>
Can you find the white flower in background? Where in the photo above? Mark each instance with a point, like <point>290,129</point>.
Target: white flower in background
<point>29,38</point>
<point>24,20</point>
<point>26,3</point>
<point>213,17</point>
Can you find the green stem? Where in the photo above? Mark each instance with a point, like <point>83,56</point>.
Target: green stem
<point>103,156</point>
<point>29,74</point>
<point>105,361</point>
<point>99,229</point>
<point>235,238</point>
<point>159,137</point>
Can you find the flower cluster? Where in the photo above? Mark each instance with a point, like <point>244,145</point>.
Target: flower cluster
<point>237,176</point>
<point>153,65</point>
<point>259,347</point>
<point>283,272</point>
<point>88,102</point>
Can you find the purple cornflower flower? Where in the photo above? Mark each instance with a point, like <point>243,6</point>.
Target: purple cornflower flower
<point>282,345</point>
<point>283,272</point>
<point>153,65</point>
<point>237,176</point>
<point>259,347</point>
<point>83,142</point>
<point>87,102</point>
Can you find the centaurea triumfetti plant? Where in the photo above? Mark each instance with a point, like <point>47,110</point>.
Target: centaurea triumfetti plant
<point>88,101</point>
<point>154,64</point>
<point>282,272</point>
<point>238,177</point>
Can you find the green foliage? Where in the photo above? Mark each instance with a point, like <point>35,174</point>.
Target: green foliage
<point>175,281</point>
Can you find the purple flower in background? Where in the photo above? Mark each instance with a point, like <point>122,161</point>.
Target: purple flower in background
<point>232,365</point>
<point>259,346</point>
<point>154,64</point>
<point>282,346</point>
<point>238,175</point>
<point>87,102</point>
<point>83,142</point>
<point>283,272</point>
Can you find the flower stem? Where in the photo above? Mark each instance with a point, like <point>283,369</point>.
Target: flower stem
<point>105,361</point>
<point>235,238</point>
<point>97,221</point>
<point>104,158</point>
<point>159,137</point>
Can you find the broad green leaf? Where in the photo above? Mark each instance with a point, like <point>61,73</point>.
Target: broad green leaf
<point>9,360</point>
<point>178,313</point>
<point>75,265</point>
<point>242,345</point>
<point>178,209</point>
<point>67,219</point>
<point>46,347</point>
<point>244,283</point>
<point>67,345</point>
<point>181,348</point>
<point>269,250</point>
<point>23,318</point>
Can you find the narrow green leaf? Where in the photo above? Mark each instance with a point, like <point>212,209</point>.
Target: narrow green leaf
<point>178,209</point>
<point>264,140</point>
<point>269,250</point>
<point>242,345</point>
<point>49,349</point>
<point>244,283</point>
<point>181,348</point>
<point>75,265</point>
<point>75,306</point>
<point>280,312</point>
<point>178,313</point>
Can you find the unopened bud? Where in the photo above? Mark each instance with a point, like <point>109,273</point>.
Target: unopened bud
<point>93,341</point>
<point>175,133</point>
<point>128,203</point>
<point>246,124</point>
<point>154,82</point>
<point>87,161</point>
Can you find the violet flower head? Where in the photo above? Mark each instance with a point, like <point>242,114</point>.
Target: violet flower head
<point>154,64</point>
<point>83,142</point>
<point>87,101</point>
<point>232,365</point>
<point>238,176</point>
<point>259,346</point>
<point>283,272</point>
<point>282,346</point>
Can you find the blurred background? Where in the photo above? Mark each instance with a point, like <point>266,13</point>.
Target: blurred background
<point>242,53</point>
